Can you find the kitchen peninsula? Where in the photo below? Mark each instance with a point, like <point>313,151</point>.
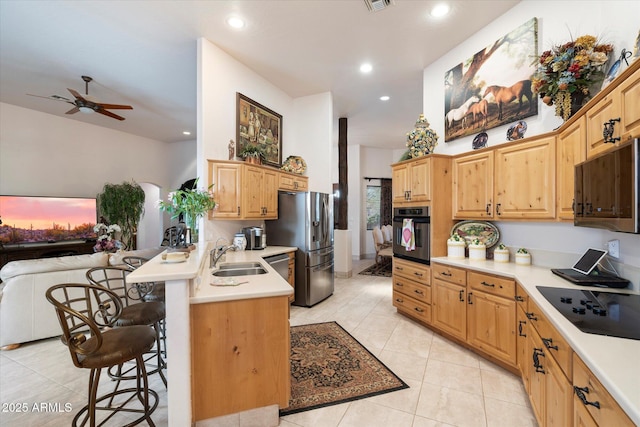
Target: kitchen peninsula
<point>210,338</point>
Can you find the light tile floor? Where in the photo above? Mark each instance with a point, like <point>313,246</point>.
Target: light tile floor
<point>448,385</point>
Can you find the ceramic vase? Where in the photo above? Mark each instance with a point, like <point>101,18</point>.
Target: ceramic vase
<point>477,252</point>
<point>523,259</point>
<point>501,255</point>
<point>455,249</point>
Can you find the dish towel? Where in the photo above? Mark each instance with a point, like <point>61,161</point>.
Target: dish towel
<point>408,240</point>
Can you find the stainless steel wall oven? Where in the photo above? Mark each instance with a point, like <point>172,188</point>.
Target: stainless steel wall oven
<point>421,232</point>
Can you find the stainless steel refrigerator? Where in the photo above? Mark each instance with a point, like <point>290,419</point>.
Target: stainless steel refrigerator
<point>305,220</point>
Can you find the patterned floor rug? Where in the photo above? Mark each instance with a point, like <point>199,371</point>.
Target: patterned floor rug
<point>381,269</point>
<point>328,367</point>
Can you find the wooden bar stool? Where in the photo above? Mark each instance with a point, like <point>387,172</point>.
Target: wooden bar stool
<point>87,314</point>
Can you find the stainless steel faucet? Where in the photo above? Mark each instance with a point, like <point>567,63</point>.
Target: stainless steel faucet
<point>217,252</point>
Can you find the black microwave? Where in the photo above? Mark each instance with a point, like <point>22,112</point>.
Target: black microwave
<point>606,190</point>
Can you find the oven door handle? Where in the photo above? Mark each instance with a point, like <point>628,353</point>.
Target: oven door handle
<point>419,220</point>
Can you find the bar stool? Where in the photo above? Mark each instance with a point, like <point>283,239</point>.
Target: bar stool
<point>134,312</point>
<point>83,307</point>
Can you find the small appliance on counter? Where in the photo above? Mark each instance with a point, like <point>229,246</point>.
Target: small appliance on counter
<point>256,239</point>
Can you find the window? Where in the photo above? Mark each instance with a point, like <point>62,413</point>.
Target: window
<point>373,206</point>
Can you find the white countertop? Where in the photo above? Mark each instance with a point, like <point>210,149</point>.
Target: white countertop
<point>196,267</point>
<point>614,361</point>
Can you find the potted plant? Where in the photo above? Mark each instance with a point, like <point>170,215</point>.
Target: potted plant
<point>123,204</point>
<point>455,246</point>
<point>252,153</point>
<point>192,204</point>
<point>501,254</point>
<point>477,250</point>
<point>523,257</point>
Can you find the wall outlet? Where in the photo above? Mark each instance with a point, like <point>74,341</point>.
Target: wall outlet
<point>613,247</point>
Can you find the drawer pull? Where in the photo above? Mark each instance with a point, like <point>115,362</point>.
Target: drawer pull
<point>461,295</point>
<point>419,292</point>
<point>520,323</point>
<point>531,316</point>
<point>418,274</point>
<point>419,310</point>
<point>399,284</point>
<point>580,392</point>
<point>547,343</point>
<point>519,298</point>
<point>537,352</point>
<point>399,300</point>
<point>444,273</point>
<point>399,268</point>
<point>491,285</point>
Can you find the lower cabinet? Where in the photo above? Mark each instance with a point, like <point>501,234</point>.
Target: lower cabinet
<point>412,289</point>
<point>450,308</point>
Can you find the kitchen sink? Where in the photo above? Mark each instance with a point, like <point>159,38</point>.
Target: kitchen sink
<point>240,269</point>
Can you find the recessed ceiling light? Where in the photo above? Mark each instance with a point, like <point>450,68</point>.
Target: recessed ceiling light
<point>384,98</point>
<point>366,68</point>
<point>235,22</point>
<point>440,10</point>
<point>186,132</point>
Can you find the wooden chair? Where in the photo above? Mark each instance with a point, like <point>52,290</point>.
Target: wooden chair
<point>83,307</point>
<point>383,249</point>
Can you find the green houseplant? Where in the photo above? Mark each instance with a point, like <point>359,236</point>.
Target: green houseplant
<point>123,204</point>
<point>252,153</point>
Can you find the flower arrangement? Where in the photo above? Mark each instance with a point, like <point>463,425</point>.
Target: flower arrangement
<point>252,151</point>
<point>107,241</point>
<point>569,70</point>
<point>191,204</point>
<point>422,140</point>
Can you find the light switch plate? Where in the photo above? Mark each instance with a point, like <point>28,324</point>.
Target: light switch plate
<point>613,247</point>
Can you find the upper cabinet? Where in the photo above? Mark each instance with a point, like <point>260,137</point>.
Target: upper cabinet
<point>515,181</point>
<point>226,178</point>
<point>570,151</point>
<point>411,182</point>
<point>259,193</point>
<point>616,116</point>
<point>293,182</point>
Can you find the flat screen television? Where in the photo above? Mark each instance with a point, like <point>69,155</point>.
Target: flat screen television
<point>34,219</point>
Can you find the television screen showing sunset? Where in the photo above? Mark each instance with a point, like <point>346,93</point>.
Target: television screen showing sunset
<point>37,219</point>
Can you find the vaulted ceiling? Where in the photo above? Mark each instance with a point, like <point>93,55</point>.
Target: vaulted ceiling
<point>143,53</point>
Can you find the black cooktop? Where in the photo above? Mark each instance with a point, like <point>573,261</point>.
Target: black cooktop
<point>595,312</point>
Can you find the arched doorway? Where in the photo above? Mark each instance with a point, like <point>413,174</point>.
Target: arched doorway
<point>150,228</point>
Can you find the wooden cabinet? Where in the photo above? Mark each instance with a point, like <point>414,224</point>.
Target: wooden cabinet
<point>525,180</point>
<point>619,111</point>
<point>244,191</point>
<point>491,315</point>
<point>473,186</point>
<point>449,300</point>
<point>592,396</point>
<point>571,150</point>
<point>412,289</point>
<point>411,181</point>
<point>293,182</point>
<point>259,193</point>
<point>240,351</point>
<point>291,275</point>
<point>522,328</point>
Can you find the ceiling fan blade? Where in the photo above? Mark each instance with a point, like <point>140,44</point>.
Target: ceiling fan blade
<point>109,113</point>
<point>75,93</point>
<point>53,98</point>
<point>114,106</point>
<point>73,110</point>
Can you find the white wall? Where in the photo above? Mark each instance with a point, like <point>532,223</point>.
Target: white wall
<point>615,22</point>
<point>306,122</point>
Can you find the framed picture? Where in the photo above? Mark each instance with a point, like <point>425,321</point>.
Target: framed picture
<point>258,126</point>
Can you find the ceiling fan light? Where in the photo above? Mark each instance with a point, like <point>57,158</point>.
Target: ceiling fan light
<point>85,110</point>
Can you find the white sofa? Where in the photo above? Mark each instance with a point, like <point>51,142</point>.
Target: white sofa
<point>25,313</point>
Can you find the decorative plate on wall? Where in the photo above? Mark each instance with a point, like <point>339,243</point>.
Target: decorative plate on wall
<point>480,141</point>
<point>295,164</point>
<point>484,231</point>
<point>517,131</point>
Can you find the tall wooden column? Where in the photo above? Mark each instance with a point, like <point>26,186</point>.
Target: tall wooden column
<point>343,173</point>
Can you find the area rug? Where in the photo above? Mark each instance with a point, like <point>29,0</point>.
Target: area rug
<point>381,269</point>
<point>329,366</point>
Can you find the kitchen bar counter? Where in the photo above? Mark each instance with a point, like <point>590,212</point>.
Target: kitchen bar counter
<point>614,361</point>
<point>186,283</point>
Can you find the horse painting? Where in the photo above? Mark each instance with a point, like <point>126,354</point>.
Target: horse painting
<point>479,109</point>
<point>504,95</point>
<point>459,113</point>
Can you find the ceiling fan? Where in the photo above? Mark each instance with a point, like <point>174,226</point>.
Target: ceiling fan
<point>84,104</point>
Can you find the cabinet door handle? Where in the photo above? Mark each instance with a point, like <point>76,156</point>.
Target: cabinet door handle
<point>498,208</point>
<point>580,392</point>
<point>519,298</point>
<point>491,285</point>
<point>520,323</point>
<point>573,205</point>
<point>531,316</point>
<point>537,352</point>
<point>548,343</point>
<point>488,207</point>
<point>469,297</point>
<point>462,295</point>
<point>607,131</point>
